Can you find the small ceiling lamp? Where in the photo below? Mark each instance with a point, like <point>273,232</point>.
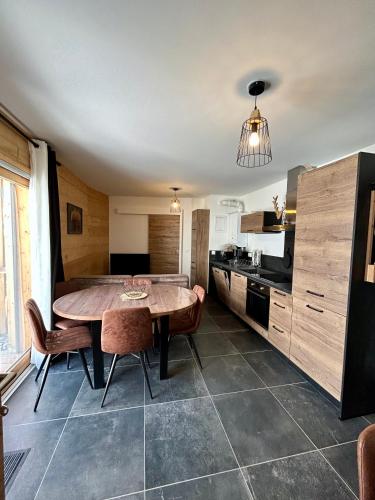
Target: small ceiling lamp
<point>175,207</point>
<point>254,149</point>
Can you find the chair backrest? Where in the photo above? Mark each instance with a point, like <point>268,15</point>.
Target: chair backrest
<point>38,330</point>
<point>65,287</point>
<point>98,279</point>
<point>126,330</point>
<point>167,279</point>
<point>137,282</point>
<point>197,310</point>
<point>366,463</point>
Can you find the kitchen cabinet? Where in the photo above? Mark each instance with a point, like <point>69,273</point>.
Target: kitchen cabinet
<point>280,322</point>
<point>257,222</point>
<point>238,285</point>
<point>332,328</point>
<point>199,247</point>
<point>222,284</point>
<point>322,256</point>
<point>318,341</point>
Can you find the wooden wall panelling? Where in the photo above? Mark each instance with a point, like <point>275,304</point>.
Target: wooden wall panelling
<point>86,253</point>
<point>14,148</point>
<point>164,243</point>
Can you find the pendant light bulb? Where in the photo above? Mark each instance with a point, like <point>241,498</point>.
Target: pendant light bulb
<point>254,139</point>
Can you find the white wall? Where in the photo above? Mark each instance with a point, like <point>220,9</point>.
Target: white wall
<point>270,244</point>
<point>128,229</point>
<point>128,233</point>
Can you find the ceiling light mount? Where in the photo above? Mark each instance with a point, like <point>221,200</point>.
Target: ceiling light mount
<point>254,149</point>
<point>256,88</point>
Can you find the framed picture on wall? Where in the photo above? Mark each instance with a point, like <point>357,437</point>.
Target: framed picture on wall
<point>74,222</point>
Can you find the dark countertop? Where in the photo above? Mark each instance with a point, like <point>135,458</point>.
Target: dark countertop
<point>284,287</point>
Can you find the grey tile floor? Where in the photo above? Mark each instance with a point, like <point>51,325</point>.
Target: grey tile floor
<point>249,426</point>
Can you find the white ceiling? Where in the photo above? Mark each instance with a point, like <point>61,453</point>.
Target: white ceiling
<point>141,95</point>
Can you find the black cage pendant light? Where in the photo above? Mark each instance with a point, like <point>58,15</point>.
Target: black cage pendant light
<point>254,149</point>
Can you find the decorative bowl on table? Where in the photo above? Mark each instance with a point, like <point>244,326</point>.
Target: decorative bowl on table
<point>135,289</point>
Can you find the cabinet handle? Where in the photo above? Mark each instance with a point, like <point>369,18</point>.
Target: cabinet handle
<point>277,329</point>
<point>278,305</point>
<point>279,293</point>
<point>238,275</point>
<point>252,284</point>
<point>314,308</point>
<point>315,293</point>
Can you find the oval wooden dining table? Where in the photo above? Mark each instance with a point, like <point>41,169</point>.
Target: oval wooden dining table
<point>89,305</point>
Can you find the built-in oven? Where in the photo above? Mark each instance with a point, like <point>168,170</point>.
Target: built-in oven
<point>258,302</point>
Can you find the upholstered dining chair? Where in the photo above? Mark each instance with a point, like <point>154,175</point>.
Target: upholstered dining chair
<point>55,342</point>
<point>64,288</point>
<point>126,331</point>
<point>366,463</point>
<point>187,322</point>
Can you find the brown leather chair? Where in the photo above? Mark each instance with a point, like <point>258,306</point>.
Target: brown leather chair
<point>366,463</point>
<point>54,342</point>
<point>126,331</point>
<point>64,288</point>
<point>187,322</point>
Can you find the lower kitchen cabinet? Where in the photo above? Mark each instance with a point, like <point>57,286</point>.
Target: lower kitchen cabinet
<point>280,322</point>
<point>238,285</point>
<point>222,284</point>
<point>318,344</point>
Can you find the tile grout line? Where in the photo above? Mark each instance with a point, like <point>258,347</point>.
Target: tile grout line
<point>58,442</point>
<point>258,388</point>
<point>166,485</point>
<point>299,454</point>
<point>222,425</point>
<point>316,448</point>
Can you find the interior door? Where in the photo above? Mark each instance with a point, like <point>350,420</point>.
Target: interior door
<point>164,243</point>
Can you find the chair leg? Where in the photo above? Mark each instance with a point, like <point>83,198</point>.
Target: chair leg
<point>67,360</point>
<point>148,361</point>
<point>194,347</point>
<point>84,364</point>
<point>48,360</point>
<point>114,361</point>
<point>145,373</point>
<point>41,367</point>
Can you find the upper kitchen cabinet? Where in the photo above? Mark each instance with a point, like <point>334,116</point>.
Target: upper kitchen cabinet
<point>258,222</point>
<point>199,247</point>
<point>333,323</point>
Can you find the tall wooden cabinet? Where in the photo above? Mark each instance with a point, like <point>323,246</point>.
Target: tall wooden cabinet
<point>200,228</point>
<point>330,338</point>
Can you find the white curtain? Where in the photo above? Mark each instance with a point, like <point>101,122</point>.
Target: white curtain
<point>40,237</point>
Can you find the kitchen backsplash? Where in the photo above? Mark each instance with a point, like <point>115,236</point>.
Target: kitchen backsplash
<point>280,264</point>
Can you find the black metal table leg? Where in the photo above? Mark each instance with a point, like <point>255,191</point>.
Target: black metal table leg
<point>164,333</point>
<point>97,355</point>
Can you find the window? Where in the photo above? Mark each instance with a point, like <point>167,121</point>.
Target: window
<point>14,275</point>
